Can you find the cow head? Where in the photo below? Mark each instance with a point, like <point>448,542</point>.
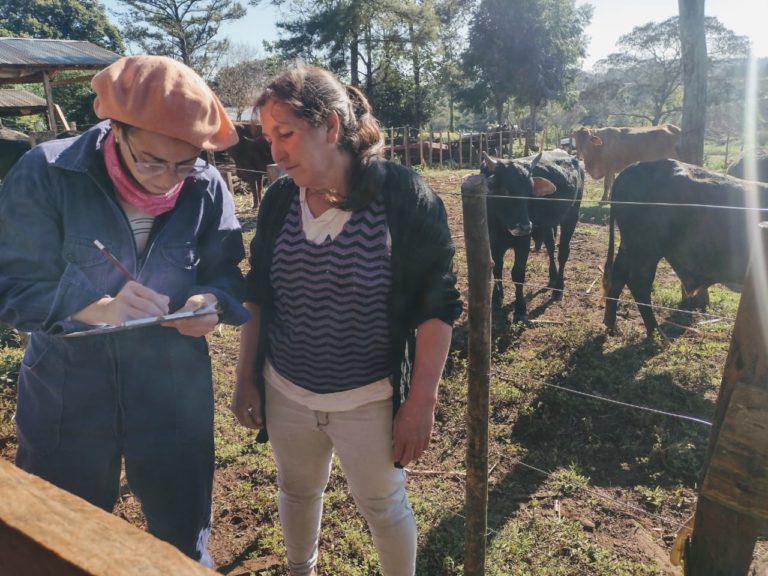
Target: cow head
<point>589,146</point>
<point>510,185</point>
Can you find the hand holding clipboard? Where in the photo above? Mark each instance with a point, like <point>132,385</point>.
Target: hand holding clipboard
<point>143,322</point>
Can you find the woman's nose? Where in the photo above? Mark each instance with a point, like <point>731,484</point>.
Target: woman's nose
<point>277,152</point>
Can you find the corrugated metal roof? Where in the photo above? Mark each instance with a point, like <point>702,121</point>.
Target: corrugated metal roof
<point>21,99</point>
<point>25,59</point>
<point>34,52</point>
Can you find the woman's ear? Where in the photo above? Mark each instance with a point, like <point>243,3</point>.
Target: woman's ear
<point>334,125</point>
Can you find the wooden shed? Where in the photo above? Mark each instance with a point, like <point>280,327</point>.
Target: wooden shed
<point>28,60</point>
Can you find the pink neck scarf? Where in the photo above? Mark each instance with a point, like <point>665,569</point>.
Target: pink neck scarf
<point>131,191</point>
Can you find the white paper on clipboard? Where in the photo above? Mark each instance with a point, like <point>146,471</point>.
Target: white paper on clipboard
<point>143,322</point>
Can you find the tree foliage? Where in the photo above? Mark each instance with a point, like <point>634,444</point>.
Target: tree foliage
<point>238,85</point>
<point>186,30</point>
<point>642,81</point>
<point>60,19</point>
<point>389,48</point>
<point>529,50</point>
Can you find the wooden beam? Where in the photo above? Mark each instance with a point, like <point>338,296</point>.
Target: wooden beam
<point>60,116</point>
<point>75,80</point>
<point>49,101</point>
<point>45,530</point>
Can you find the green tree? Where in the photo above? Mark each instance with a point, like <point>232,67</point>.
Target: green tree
<point>529,50</point>
<point>182,29</point>
<point>370,43</point>
<point>642,81</point>
<point>60,19</point>
<point>239,84</point>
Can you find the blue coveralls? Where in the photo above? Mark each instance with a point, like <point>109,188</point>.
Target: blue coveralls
<point>142,394</point>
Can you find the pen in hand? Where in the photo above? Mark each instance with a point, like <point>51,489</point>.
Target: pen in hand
<point>115,262</point>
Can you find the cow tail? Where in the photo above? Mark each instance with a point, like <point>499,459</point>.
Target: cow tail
<point>608,269</point>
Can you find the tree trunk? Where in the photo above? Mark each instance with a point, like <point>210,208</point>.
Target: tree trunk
<point>694,59</point>
<point>354,59</point>
<point>416,63</point>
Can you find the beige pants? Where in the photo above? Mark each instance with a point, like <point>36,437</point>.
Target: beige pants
<point>303,442</point>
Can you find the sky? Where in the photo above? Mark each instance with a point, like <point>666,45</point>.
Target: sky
<point>610,19</point>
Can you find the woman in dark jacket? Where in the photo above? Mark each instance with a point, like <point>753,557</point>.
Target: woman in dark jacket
<point>352,296</point>
<point>135,184</point>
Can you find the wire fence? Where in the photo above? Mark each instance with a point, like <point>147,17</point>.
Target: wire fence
<point>588,293</point>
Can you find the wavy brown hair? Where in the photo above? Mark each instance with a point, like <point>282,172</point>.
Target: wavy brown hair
<point>313,93</point>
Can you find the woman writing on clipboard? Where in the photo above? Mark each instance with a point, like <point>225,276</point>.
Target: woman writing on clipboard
<point>134,183</point>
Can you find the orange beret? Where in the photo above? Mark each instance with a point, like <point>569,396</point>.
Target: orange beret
<point>164,96</point>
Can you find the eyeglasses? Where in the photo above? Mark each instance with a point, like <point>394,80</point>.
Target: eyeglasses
<point>181,171</point>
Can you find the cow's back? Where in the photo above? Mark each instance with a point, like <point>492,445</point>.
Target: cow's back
<point>693,217</point>
<point>624,146</point>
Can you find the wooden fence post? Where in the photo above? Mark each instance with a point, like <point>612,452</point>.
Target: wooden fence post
<point>421,148</point>
<point>732,509</point>
<point>473,195</point>
<point>441,149</point>
<point>407,145</point>
<point>461,152</point>
<point>431,144</point>
<point>391,142</point>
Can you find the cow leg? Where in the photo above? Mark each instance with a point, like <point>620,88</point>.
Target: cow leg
<point>548,238</point>
<point>497,255</point>
<point>614,281</point>
<point>694,297</point>
<point>522,249</point>
<point>607,184</point>
<point>256,189</point>
<point>640,283</point>
<point>567,228</point>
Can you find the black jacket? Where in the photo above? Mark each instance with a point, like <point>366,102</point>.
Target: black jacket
<point>423,281</point>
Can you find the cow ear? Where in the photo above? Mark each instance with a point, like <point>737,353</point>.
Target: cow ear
<point>596,140</point>
<point>543,187</point>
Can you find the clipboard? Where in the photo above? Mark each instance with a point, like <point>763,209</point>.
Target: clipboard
<point>143,322</point>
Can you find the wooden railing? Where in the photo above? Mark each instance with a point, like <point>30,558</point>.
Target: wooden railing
<point>47,531</point>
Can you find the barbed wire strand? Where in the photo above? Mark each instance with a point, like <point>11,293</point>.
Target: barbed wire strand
<point>622,203</point>
<point>609,400</point>
<point>676,525</point>
<point>592,295</point>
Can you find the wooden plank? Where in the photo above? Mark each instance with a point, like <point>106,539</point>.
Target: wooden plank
<point>47,531</point>
<point>737,476</point>
<point>724,534</point>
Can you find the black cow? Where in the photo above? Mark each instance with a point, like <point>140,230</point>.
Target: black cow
<point>761,164</point>
<point>704,245</point>
<point>13,145</point>
<point>251,156</point>
<point>531,197</point>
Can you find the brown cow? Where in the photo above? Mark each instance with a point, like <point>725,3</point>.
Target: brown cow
<point>607,151</point>
<point>251,156</point>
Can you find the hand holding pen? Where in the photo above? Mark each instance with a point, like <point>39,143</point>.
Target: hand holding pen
<point>132,302</point>
<point>115,262</point>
